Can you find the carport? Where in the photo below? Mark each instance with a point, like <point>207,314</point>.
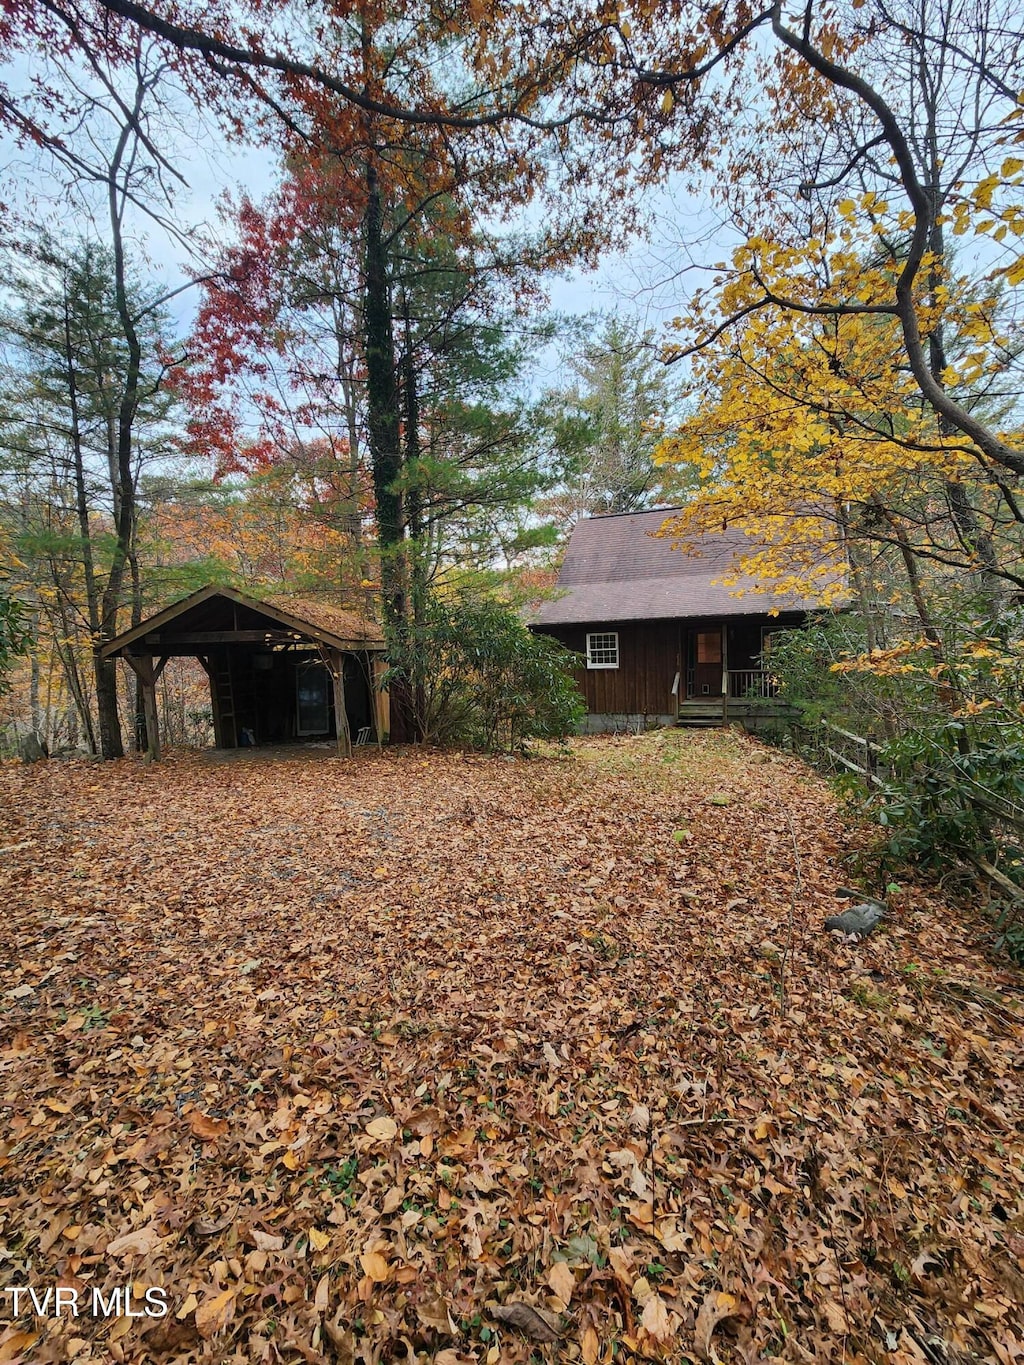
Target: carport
<point>282,669</point>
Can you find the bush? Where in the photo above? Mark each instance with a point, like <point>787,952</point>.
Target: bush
<point>475,675</point>
<point>15,636</point>
<point>952,731</point>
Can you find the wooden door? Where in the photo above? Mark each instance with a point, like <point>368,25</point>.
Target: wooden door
<point>706,647</point>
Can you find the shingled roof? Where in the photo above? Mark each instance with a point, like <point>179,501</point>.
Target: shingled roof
<point>216,608</point>
<point>616,569</point>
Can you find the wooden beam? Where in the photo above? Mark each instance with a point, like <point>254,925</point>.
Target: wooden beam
<point>381,699</point>
<point>336,667</point>
<point>725,673</point>
<point>174,639</point>
<point>142,666</point>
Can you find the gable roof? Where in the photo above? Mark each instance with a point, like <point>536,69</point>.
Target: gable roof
<point>214,608</point>
<point>616,569</point>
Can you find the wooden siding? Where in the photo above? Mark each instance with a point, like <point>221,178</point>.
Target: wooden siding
<point>649,658</point>
<point>652,652</point>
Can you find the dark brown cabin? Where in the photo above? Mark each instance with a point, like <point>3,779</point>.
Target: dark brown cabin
<point>281,669</point>
<point>663,640</point>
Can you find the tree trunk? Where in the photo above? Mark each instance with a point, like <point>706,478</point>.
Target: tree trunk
<point>383,411</point>
<point>414,504</point>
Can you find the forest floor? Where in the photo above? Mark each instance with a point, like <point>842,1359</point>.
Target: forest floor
<point>432,1057</point>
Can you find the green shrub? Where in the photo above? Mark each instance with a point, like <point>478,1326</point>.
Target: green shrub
<point>476,675</point>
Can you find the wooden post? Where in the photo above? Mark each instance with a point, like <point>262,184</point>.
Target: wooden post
<point>725,674</point>
<point>381,700</point>
<point>336,666</point>
<point>142,665</point>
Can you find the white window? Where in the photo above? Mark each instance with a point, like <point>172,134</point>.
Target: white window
<point>603,650</point>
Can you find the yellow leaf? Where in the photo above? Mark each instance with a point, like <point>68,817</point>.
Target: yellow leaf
<point>667,102</point>
<point>375,1266</point>
<point>590,1347</point>
<point>318,1240</point>
<point>214,1314</point>
<point>17,1344</point>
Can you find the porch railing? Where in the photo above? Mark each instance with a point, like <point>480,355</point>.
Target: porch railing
<point>752,682</point>
<point>743,682</point>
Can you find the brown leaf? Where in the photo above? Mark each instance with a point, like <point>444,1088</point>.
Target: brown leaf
<point>375,1266</point>
<point>717,1306</point>
<point>590,1347</point>
<point>267,1241</point>
<point>534,1323</point>
<point>836,1315</point>
<point>206,1128</point>
<point>655,1319</point>
<point>206,1227</point>
<point>13,1346</point>
<point>562,1281</point>
<point>213,1315</point>
<point>142,1242</point>
<point>383,1129</point>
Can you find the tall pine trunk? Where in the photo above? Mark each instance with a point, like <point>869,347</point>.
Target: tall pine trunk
<point>384,433</point>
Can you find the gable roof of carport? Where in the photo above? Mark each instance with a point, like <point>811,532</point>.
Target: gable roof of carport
<point>322,622</point>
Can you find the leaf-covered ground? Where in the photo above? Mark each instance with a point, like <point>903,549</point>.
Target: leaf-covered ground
<point>448,1058</point>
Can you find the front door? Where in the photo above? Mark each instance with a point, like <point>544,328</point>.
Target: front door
<point>706,663</point>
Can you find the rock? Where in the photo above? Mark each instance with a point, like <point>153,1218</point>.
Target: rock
<point>859,919</point>
<point>31,749</point>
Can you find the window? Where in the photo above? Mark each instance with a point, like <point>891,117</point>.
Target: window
<point>768,637</point>
<point>603,650</point>
<point>709,647</point>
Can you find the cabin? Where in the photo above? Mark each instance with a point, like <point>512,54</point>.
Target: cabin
<point>281,669</point>
<point>663,639</point>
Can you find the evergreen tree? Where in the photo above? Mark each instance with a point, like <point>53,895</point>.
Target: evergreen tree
<point>601,430</point>
<point>84,408</point>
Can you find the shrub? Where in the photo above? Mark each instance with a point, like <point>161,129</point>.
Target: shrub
<point>476,675</point>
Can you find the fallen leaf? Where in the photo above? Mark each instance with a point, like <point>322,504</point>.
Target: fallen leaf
<point>836,1316</point>
<point>207,1128</point>
<point>16,1345</point>
<point>562,1281</point>
<point>142,1242</point>
<point>534,1323</point>
<point>375,1266</point>
<point>655,1319</point>
<point>717,1306</point>
<point>590,1347</point>
<point>213,1315</point>
<point>383,1129</point>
